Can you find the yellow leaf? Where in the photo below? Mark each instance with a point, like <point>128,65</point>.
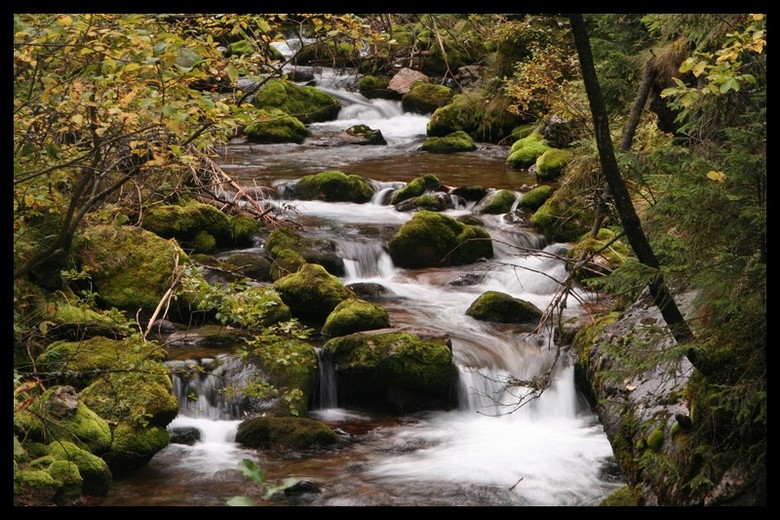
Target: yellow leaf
<point>77,119</point>
<point>716,176</point>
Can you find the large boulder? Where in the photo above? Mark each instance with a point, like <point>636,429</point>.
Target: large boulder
<point>526,151</point>
<point>284,432</point>
<point>311,293</point>
<point>307,104</point>
<point>534,198</point>
<point>495,306</point>
<point>402,81</point>
<point>484,117</point>
<point>274,125</point>
<point>312,250</point>
<point>497,202</point>
<point>355,315</point>
<point>136,279</point>
<point>188,224</point>
<point>432,239</point>
<point>416,187</point>
<point>376,87</point>
<point>363,135</point>
<point>458,141</point>
<point>333,186</point>
<point>551,163</point>
<point>392,369</point>
<point>95,473</point>
<point>134,445</point>
<point>560,220</point>
<point>424,98</point>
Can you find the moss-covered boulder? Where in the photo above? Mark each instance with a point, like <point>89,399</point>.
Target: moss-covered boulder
<point>602,260</point>
<point>497,202</point>
<point>376,87</point>
<point>432,239</point>
<point>424,97</point>
<point>286,261</point>
<point>94,472</point>
<point>284,432</point>
<point>471,193</point>
<point>47,480</point>
<point>136,279</point>
<point>559,219</point>
<point>311,293</point>
<point>551,163</point>
<point>333,186</point>
<point>483,116</point>
<point>458,141</point>
<point>500,307</point>
<point>79,363</point>
<point>251,265</point>
<point>312,250</point>
<point>188,223</point>
<point>363,135</point>
<point>39,422</point>
<point>244,229</point>
<point>307,104</point>
<point>385,369</point>
<point>535,198</point>
<point>526,151</point>
<point>134,446</point>
<point>355,315</point>
<point>274,125</point>
<point>438,201</point>
<point>621,497</point>
<point>416,187</point>
<point>291,367</point>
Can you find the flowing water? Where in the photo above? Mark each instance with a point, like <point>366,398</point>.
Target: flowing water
<point>487,452</point>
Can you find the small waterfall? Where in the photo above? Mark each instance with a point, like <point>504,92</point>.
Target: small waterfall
<point>200,389</point>
<point>327,387</point>
<point>365,259</point>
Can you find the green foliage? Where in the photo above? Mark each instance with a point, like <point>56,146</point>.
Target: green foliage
<point>255,474</point>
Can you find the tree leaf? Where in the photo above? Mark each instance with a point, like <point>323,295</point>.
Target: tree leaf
<point>241,501</point>
<point>716,176</point>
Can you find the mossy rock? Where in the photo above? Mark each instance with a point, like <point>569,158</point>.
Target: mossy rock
<point>481,115</point>
<point>376,87</point>
<point>34,487</point>
<point>471,193</point>
<point>355,315</point>
<point>312,250</point>
<point>144,394</point>
<point>79,363</point>
<point>560,219</point>
<point>333,186</point>
<point>306,103</point>
<point>286,261</point>
<point>656,439</point>
<point>284,432</point>
<point>290,366</point>
<point>244,229</point>
<point>311,293</point>
<point>621,497</point>
<point>497,202</point>
<point>274,125</point>
<point>439,201</point>
<point>365,135</point>
<point>424,98</point>
<point>458,141</point>
<point>134,446</point>
<point>416,187</point>
<point>396,370</point>
<point>551,163</point>
<point>187,224</point>
<point>522,131</point>
<point>500,307</point>
<point>251,265</point>
<point>432,239</point>
<point>606,260</point>
<point>526,151</point>
<point>94,472</point>
<point>534,199</point>
<point>82,425</point>
<point>136,279</point>
<point>585,338</point>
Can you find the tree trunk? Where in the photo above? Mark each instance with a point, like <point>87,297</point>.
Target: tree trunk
<point>625,207</point>
<point>639,105</point>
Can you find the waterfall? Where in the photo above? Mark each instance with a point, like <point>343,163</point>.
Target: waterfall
<point>327,388</point>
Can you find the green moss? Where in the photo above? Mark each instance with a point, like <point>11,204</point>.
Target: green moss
<point>204,242</point>
<point>143,397</point>
<point>622,497</point>
<point>274,125</point>
<point>656,439</point>
<point>244,228</point>
<point>585,338</point>
<point>375,87</point>
<point>522,131</point>
<point>285,432</point>
<point>185,222</point>
<point>286,261</point>
<point>535,198</point>
<point>416,187</point>
<point>602,260</point>
<point>526,151</point>
<point>94,471</point>
<point>355,315</point>
<point>81,362</point>
<point>312,250</point>
<point>500,307</point>
<point>424,98</point>
<point>307,104</point>
<point>134,446</point>
<point>241,48</point>
<point>431,239</point>
<point>136,279</point>
<point>66,475</point>
<point>366,134</point>
<point>458,141</point>
<point>561,218</point>
<point>551,163</point>
<point>311,293</point>
<point>498,202</point>
<point>333,186</point>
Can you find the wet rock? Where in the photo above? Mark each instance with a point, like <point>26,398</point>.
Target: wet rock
<point>403,80</point>
<point>188,435</point>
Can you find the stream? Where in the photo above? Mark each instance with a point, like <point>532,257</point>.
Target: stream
<point>550,452</point>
